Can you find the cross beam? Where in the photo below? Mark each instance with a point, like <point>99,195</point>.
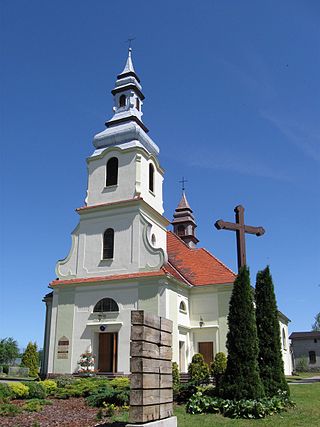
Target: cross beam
<point>240,228</point>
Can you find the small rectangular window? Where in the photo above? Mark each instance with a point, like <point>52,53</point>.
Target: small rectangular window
<point>312,357</point>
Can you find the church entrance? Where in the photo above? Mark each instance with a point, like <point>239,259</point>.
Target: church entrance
<point>206,349</point>
<point>108,352</point>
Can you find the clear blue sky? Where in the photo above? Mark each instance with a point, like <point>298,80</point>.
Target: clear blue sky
<point>232,99</point>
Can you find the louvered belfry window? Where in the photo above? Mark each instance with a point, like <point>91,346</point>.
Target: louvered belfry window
<point>122,101</point>
<point>112,171</point>
<point>108,244</point>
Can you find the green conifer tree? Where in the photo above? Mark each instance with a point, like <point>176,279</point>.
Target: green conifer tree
<point>30,359</point>
<point>241,379</point>
<point>270,355</point>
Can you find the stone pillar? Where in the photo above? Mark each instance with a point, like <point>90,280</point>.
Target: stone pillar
<point>151,396</point>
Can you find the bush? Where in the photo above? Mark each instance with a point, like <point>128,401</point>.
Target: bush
<point>64,380</point>
<point>9,410</point>
<point>36,390</point>
<point>218,368</point>
<point>183,393</point>
<point>35,405</point>
<point>122,382</point>
<point>32,406</point>
<point>5,369</point>
<point>5,393</point>
<point>175,375</point>
<point>19,390</point>
<point>198,370</point>
<point>108,394</point>
<point>260,408</point>
<point>50,387</point>
<point>302,365</point>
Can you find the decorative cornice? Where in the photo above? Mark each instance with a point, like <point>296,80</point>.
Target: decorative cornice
<point>127,119</point>
<point>129,86</point>
<point>129,74</point>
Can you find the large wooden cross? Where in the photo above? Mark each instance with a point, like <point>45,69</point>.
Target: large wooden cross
<point>240,228</point>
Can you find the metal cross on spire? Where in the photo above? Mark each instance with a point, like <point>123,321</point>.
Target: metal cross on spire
<point>240,228</point>
<point>183,181</point>
<point>130,40</point>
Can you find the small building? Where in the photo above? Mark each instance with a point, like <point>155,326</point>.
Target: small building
<point>306,350</point>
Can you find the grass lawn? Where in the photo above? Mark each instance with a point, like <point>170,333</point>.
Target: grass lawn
<point>306,413</point>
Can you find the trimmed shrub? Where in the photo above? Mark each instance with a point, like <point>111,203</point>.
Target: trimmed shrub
<point>107,394</point>
<point>36,405</point>
<point>175,375</point>
<point>270,353</point>
<point>30,359</point>
<point>9,410</point>
<point>32,406</point>
<point>183,393</point>
<point>198,370</point>
<point>218,368</point>
<point>5,393</point>
<point>64,380</point>
<point>50,386</point>
<point>36,390</point>
<point>122,382</point>
<point>241,379</point>
<point>19,390</point>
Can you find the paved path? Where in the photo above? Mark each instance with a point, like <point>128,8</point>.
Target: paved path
<point>310,380</point>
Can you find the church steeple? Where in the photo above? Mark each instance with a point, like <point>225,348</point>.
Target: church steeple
<point>184,224</point>
<point>128,97</point>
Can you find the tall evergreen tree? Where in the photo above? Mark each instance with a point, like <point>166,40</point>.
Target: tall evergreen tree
<point>30,359</point>
<point>241,379</point>
<point>270,355</point>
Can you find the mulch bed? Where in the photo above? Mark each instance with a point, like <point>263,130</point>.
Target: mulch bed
<point>70,412</point>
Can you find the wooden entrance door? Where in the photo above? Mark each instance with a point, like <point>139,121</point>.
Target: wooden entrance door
<point>108,352</point>
<point>206,349</point>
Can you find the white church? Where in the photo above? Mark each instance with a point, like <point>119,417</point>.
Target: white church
<point>123,258</point>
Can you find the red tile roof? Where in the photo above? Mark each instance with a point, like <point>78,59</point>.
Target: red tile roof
<point>108,278</point>
<point>197,266</point>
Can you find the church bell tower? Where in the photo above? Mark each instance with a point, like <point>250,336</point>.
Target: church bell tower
<point>184,224</point>
<point>121,229</point>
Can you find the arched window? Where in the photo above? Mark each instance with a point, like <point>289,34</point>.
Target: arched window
<point>312,357</point>
<point>122,101</point>
<point>151,177</point>
<point>284,340</point>
<point>106,305</point>
<point>182,306</point>
<point>108,243</point>
<point>138,104</point>
<point>112,171</point>
<point>180,230</point>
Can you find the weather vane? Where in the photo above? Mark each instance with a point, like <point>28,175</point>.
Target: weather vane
<point>130,40</point>
<point>183,181</point>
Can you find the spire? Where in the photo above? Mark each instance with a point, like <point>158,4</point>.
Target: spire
<point>126,125</point>
<point>128,98</point>
<point>128,68</point>
<point>184,224</point>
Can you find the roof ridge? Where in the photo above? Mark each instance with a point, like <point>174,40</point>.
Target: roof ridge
<point>180,274</point>
<point>218,260</point>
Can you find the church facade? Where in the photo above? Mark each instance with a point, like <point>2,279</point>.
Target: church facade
<point>123,258</point>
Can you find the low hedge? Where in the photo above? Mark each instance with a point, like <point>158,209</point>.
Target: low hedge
<point>252,409</point>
